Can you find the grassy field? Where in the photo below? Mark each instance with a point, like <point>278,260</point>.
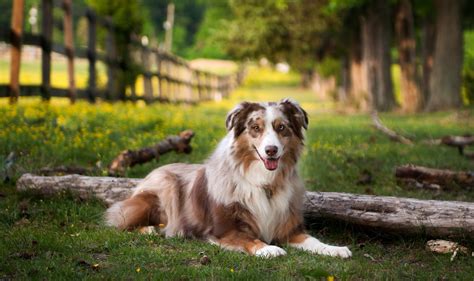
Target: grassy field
<point>63,238</point>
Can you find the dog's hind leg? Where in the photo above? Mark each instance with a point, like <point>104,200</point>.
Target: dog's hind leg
<point>140,210</point>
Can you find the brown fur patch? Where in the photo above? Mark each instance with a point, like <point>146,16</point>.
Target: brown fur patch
<point>142,209</point>
<point>285,132</point>
<point>232,218</point>
<point>237,240</point>
<point>253,125</point>
<point>298,238</point>
<point>292,226</point>
<point>297,116</point>
<point>243,152</point>
<point>200,204</point>
<point>239,120</point>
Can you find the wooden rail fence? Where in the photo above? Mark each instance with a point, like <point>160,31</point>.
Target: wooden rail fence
<point>177,80</point>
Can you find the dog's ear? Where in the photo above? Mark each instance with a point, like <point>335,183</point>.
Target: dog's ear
<point>237,117</point>
<point>296,115</point>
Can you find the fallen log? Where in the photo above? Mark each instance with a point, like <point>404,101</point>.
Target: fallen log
<point>425,175</point>
<point>129,158</point>
<point>401,215</point>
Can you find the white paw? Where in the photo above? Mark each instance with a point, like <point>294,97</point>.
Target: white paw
<point>147,230</point>
<point>270,251</point>
<point>313,245</point>
<point>334,251</point>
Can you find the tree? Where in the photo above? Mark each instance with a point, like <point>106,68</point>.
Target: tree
<point>127,16</point>
<point>445,82</point>
<point>298,32</point>
<point>409,80</point>
<point>376,39</point>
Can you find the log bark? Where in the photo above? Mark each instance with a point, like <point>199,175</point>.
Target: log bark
<point>435,176</point>
<point>107,189</point>
<point>393,214</point>
<point>129,158</point>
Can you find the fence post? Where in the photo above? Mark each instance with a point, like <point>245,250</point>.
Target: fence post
<point>15,34</point>
<point>91,53</point>
<point>46,36</point>
<point>69,47</point>
<point>198,85</point>
<point>147,86</point>
<point>209,86</point>
<point>189,79</point>
<point>159,60</point>
<point>112,63</point>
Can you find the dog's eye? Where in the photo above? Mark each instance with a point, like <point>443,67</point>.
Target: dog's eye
<point>280,128</point>
<point>256,128</point>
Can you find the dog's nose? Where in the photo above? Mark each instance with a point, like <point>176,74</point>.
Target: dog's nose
<point>271,150</point>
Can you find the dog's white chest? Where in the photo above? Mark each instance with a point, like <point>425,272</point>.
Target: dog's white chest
<point>269,212</point>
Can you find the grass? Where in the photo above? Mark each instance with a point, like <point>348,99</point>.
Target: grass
<point>62,237</point>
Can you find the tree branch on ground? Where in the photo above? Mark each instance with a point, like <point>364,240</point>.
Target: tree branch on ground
<point>129,158</point>
<point>377,123</point>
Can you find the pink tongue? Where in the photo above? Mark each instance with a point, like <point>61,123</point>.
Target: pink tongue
<point>271,164</point>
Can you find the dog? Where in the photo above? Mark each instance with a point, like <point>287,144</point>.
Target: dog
<point>245,197</point>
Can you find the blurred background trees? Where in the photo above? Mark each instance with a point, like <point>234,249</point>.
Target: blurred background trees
<point>411,55</point>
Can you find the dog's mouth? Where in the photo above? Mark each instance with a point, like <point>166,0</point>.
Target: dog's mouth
<point>270,163</point>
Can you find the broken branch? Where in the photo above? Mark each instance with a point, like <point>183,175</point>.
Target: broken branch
<point>129,158</point>
<point>390,133</point>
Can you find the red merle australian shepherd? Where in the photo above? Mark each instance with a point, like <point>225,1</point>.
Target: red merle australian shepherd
<point>245,197</point>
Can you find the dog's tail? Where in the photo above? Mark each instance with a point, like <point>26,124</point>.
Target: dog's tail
<point>142,209</point>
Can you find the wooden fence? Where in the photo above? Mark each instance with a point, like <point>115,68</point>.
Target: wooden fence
<point>177,81</point>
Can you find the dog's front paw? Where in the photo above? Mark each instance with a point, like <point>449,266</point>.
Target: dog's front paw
<point>334,251</point>
<point>270,251</point>
<point>313,245</point>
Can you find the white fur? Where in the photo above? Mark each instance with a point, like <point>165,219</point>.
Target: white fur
<point>270,137</point>
<point>315,246</point>
<point>270,251</point>
<point>115,216</point>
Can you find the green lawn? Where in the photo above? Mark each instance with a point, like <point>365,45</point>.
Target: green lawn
<point>63,237</point>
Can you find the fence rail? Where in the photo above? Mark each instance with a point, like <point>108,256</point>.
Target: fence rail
<point>177,80</point>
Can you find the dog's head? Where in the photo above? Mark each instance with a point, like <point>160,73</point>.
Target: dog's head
<point>267,132</point>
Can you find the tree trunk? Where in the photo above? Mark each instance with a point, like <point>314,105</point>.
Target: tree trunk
<point>428,36</point>
<point>409,79</point>
<point>402,215</point>
<point>306,78</point>
<point>445,82</point>
<point>358,85</point>
<point>376,39</point>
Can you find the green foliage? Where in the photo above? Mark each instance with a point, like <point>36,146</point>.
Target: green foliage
<point>468,68</point>
<point>63,237</point>
<point>329,67</point>
<point>299,32</point>
<point>208,41</point>
<point>127,16</point>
